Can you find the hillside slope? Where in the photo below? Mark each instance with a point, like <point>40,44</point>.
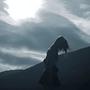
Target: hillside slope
<point>74,73</point>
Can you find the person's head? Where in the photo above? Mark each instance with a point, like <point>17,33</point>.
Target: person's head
<point>61,43</point>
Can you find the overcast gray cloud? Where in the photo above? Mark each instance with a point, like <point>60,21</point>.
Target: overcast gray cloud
<point>26,44</point>
<point>77,7</point>
<point>3,7</point>
<point>70,12</point>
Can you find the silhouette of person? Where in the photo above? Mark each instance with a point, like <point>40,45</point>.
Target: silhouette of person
<point>62,44</point>
<point>52,53</point>
<point>50,77</point>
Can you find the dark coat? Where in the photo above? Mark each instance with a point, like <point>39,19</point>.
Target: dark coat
<point>50,78</point>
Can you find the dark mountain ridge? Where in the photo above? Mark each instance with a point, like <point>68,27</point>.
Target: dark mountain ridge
<point>74,73</point>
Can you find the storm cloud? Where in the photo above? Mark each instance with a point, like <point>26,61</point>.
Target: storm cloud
<point>26,44</point>
<point>3,7</point>
<point>76,11</point>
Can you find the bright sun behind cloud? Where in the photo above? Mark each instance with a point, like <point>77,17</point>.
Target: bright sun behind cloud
<point>23,9</point>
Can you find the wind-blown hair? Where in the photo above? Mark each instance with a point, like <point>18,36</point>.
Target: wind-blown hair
<point>62,44</point>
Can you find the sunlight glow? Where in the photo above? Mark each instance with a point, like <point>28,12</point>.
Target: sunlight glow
<point>23,9</point>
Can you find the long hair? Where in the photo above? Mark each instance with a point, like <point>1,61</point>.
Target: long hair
<point>52,53</point>
<point>61,43</point>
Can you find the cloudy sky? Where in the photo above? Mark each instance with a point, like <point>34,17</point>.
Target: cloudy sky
<point>28,28</point>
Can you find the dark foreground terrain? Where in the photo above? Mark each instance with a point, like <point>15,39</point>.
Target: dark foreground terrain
<point>74,74</point>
